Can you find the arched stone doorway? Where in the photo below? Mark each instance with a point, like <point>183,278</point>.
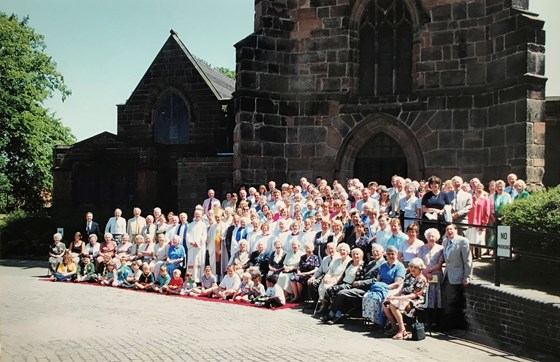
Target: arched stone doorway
<point>379,159</point>
<point>377,148</point>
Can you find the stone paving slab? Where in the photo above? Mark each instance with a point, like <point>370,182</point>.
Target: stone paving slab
<point>43,321</point>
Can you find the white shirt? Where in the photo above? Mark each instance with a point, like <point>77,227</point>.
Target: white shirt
<point>116,226</point>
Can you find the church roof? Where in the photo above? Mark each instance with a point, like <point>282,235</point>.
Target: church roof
<point>221,85</point>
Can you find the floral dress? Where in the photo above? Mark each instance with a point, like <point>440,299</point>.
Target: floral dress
<point>306,264</point>
<point>431,257</point>
<point>411,285</point>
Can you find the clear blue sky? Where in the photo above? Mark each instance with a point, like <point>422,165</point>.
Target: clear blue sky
<point>103,48</point>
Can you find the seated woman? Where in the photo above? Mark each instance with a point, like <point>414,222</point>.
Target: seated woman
<point>291,263</point>
<point>409,297</point>
<point>66,271</point>
<point>56,252</point>
<point>276,259</point>
<point>349,275</point>
<point>409,248</point>
<point>135,249</point>
<point>175,255</point>
<point>208,282</point>
<point>228,286</point>
<point>349,299</point>
<point>432,256</point>
<point>334,274</point>
<point>308,265</point>
<point>123,249</point>
<point>108,247</point>
<point>240,259</point>
<point>92,248</point>
<point>159,256</point>
<point>77,247</point>
<point>391,275</point>
<point>258,263</point>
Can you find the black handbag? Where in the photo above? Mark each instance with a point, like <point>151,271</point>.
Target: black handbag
<point>418,331</point>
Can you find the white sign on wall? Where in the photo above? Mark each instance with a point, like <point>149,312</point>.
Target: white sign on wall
<point>504,241</point>
<point>60,231</point>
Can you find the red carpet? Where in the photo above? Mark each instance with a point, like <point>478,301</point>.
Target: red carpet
<point>211,300</point>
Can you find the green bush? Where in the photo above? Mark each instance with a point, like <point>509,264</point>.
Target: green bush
<point>535,223</point>
<point>539,212</point>
<point>26,236</point>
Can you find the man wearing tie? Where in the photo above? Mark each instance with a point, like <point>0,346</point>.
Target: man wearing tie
<point>457,274</point>
<point>91,226</point>
<point>510,189</point>
<point>116,226</point>
<point>136,223</point>
<point>211,202</point>
<point>398,194</point>
<point>196,239</point>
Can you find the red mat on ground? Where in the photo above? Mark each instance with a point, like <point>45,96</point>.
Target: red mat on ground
<point>212,300</point>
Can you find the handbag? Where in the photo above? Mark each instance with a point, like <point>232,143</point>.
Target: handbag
<point>418,331</point>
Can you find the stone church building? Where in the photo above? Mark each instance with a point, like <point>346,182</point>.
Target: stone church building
<point>337,88</point>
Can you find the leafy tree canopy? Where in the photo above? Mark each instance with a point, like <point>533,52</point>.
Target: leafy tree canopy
<point>226,71</point>
<point>29,132</point>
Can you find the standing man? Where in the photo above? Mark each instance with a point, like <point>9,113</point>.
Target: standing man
<point>116,226</point>
<point>196,239</point>
<point>135,223</point>
<point>461,204</point>
<point>210,203</point>
<point>458,269</point>
<point>149,228</point>
<point>510,189</point>
<point>91,227</point>
<point>398,194</point>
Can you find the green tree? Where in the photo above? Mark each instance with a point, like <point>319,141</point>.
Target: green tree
<point>226,71</point>
<point>29,131</point>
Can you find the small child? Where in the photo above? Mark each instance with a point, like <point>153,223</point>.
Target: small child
<point>86,271</point>
<point>258,288</point>
<point>274,295</point>
<point>146,279</point>
<point>208,282</point>
<point>123,273</point>
<point>189,284</point>
<point>133,277</point>
<point>245,289</point>
<point>229,284</point>
<point>66,271</point>
<point>174,286</point>
<point>109,274</point>
<point>162,280</point>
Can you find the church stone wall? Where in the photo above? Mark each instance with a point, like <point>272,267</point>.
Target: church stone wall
<point>476,109</point>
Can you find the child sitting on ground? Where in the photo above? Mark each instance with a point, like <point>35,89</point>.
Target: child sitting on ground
<point>109,274</point>
<point>189,284</point>
<point>66,271</point>
<point>274,295</point>
<point>86,271</point>
<point>228,286</point>
<point>208,282</point>
<point>245,289</point>
<point>123,273</point>
<point>174,286</point>
<point>162,280</point>
<point>146,279</point>
<point>258,288</point>
<point>133,277</point>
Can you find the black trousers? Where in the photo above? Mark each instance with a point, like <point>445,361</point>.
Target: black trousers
<point>347,300</point>
<point>454,304</point>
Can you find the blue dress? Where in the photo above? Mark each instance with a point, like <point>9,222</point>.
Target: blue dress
<point>175,253</point>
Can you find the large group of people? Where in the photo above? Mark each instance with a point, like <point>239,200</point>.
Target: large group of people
<point>369,250</point>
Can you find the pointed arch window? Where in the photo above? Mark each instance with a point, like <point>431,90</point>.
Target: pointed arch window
<point>385,49</point>
<point>171,119</point>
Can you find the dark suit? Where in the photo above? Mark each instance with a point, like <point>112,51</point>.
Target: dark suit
<point>94,229</point>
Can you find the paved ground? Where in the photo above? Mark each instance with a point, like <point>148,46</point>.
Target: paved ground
<point>47,321</point>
